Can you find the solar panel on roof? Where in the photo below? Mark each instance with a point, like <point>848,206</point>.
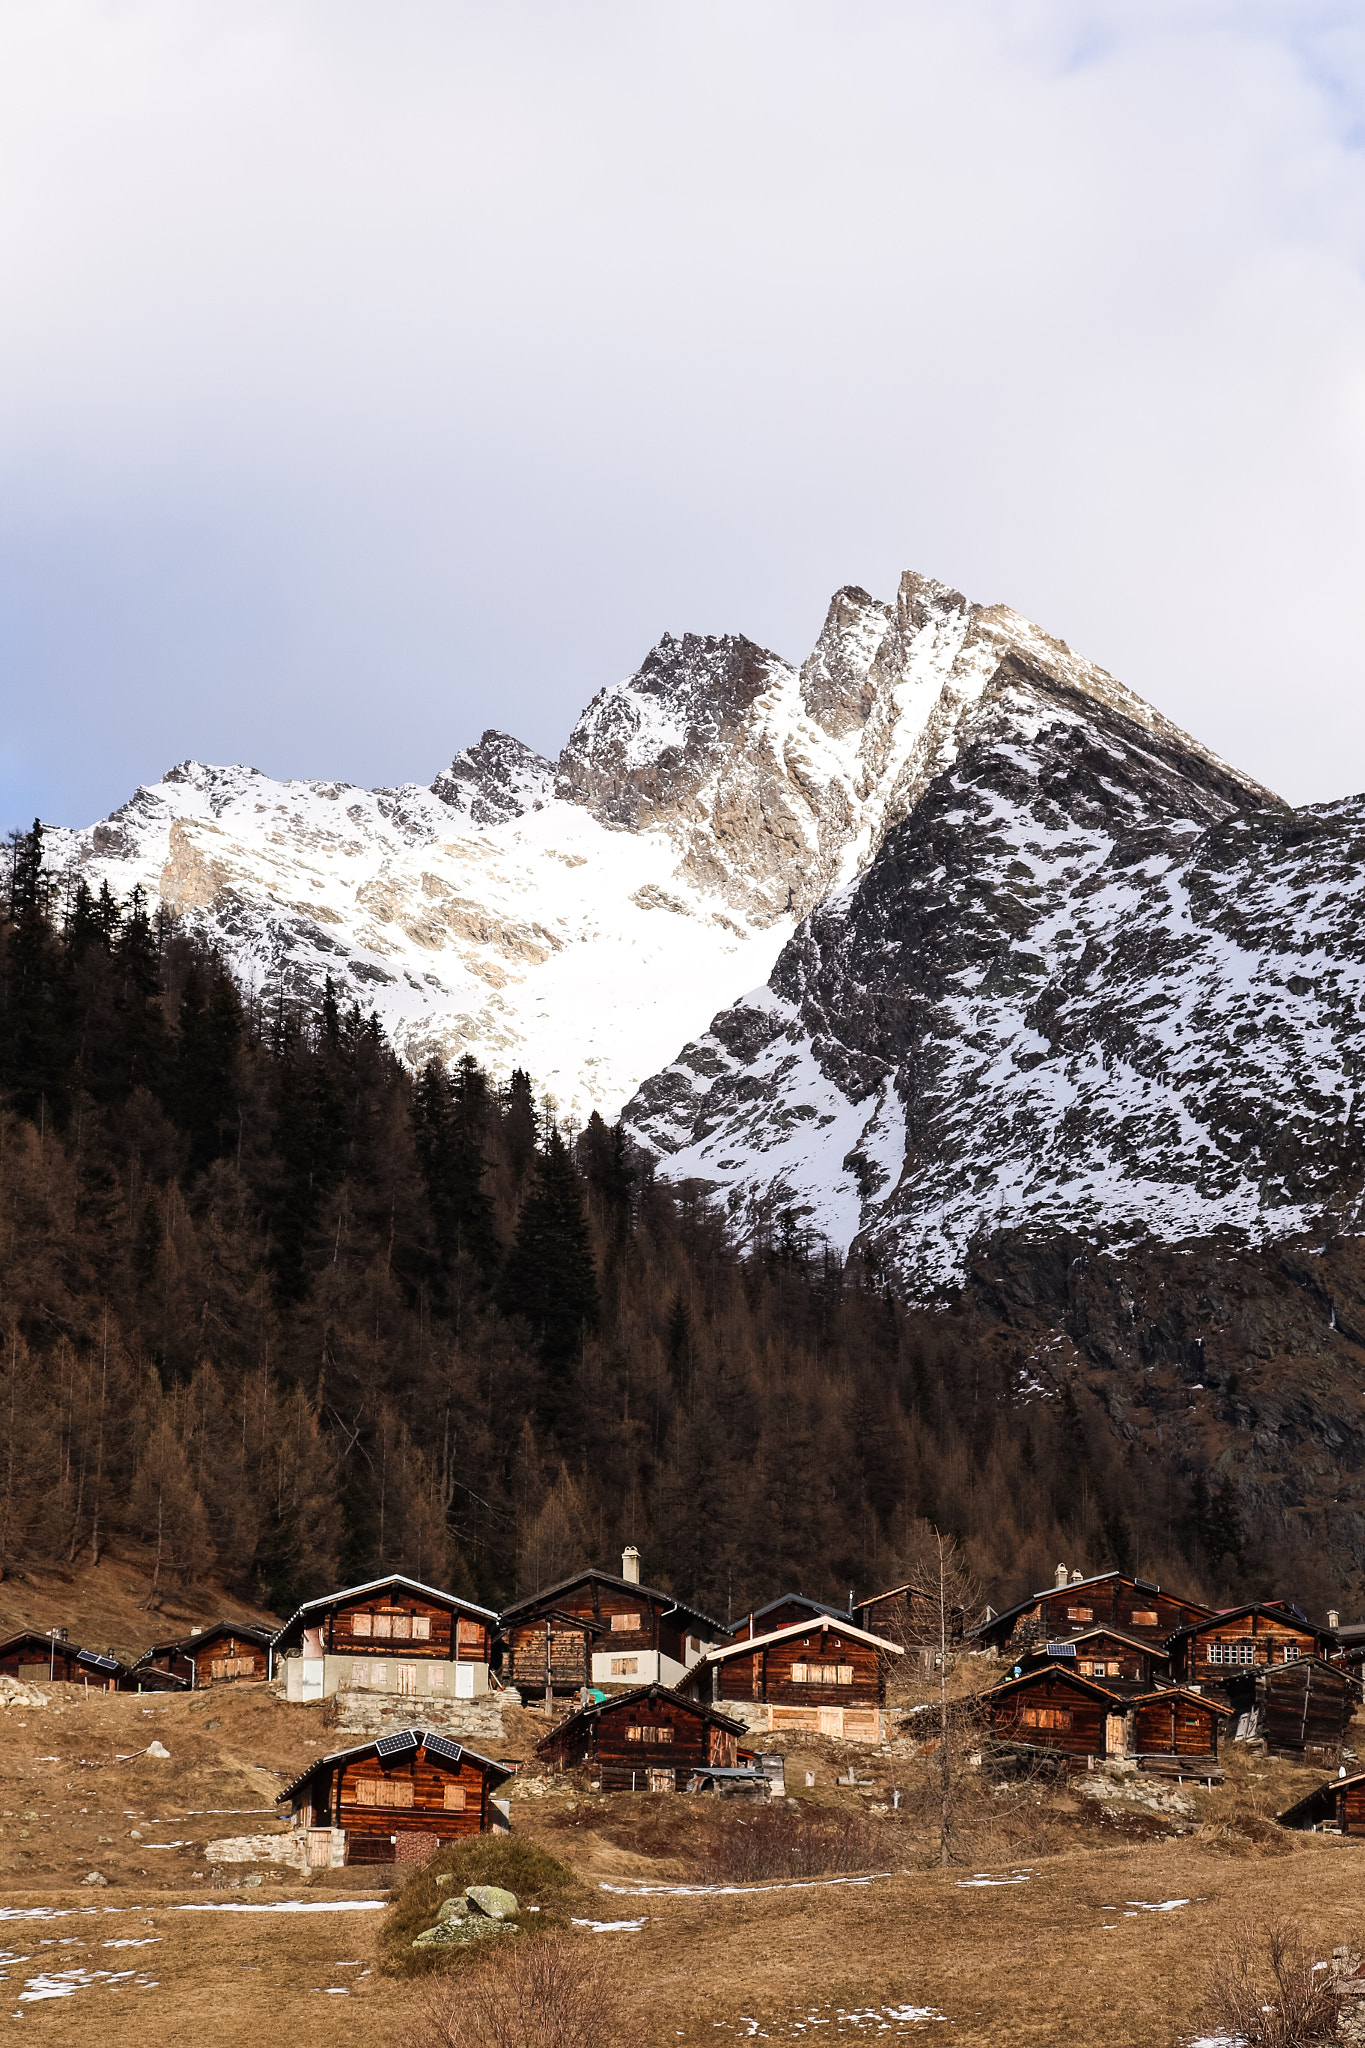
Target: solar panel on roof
<point>97,1662</point>
<point>394,1745</point>
<point>449,1752</point>
<point>1061,1649</point>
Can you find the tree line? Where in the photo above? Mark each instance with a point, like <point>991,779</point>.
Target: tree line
<point>295,1315</point>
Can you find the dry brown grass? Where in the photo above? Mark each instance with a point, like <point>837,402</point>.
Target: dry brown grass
<point>537,1879</point>
<point>782,1841</point>
<point>1267,1989</point>
<point>545,1994</point>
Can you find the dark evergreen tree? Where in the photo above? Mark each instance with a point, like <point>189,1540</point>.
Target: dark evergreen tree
<point>446,1121</point>
<point>549,1278</point>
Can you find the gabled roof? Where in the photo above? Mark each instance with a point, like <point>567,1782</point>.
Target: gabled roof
<point>596,1708</point>
<point>1291,1813</point>
<point>792,1600</point>
<point>1128,1692</point>
<point>891,1593</point>
<point>651,1593</point>
<point>404,1742</point>
<point>1079,1586</point>
<point>819,1626</point>
<point>1102,1628</point>
<point>199,1637</point>
<point>326,1600</point>
<point>107,1664</point>
<point>1279,1610</point>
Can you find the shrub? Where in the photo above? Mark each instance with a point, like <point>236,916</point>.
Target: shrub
<point>805,1842</point>
<point>555,1993</point>
<point>507,1860</point>
<point>1265,1990</point>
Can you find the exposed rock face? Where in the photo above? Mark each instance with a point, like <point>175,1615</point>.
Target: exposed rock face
<point>581,921</point>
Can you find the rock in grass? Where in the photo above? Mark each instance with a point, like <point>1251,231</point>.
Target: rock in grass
<point>453,1909</point>
<point>457,1933</point>
<point>492,1901</point>
<point>95,1877</point>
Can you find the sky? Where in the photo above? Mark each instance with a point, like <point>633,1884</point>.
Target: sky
<point>373,375</point>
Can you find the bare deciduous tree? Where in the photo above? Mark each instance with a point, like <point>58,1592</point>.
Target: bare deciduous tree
<point>540,1993</point>
<point>1266,1989</point>
<point>945,1586</point>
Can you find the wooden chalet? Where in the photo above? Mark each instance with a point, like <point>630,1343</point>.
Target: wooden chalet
<point>905,1615</point>
<point>1102,1653</point>
<point>785,1612</point>
<point>32,1657</point>
<point>223,1654</point>
<point>1336,1808</point>
<point>820,1674</point>
<point>1052,1707</point>
<point>1300,1710</point>
<point>1136,1606</point>
<point>650,1740</point>
<point>394,1800</point>
<point>390,1635</point>
<point>1239,1640</point>
<point>595,1630</point>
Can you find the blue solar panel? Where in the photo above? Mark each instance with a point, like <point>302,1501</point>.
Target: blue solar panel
<point>449,1752</point>
<point>1061,1649</point>
<point>394,1745</point>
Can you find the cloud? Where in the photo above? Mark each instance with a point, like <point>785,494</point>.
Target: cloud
<point>369,376</point>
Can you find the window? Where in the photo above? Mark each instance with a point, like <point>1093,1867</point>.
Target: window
<point>379,1624</point>
<point>1080,1614</point>
<point>1047,1717</point>
<point>360,1624</point>
<point>436,1677</point>
<point>470,1632</point>
<point>625,1667</point>
<point>649,1735</point>
<point>401,1625</point>
<point>383,1792</point>
<point>1243,1652</point>
<point>1146,1617</point>
<point>822,1674</point>
<point>454,1798</point>
<point>421,1628</point>
<point>1291,1653</point>
<point>623,1623</point>
<point>242,1667</point>
<point>1100,1667</point>
<point>405,1678</point>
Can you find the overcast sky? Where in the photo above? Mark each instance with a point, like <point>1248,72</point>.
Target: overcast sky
<point>373,374</point>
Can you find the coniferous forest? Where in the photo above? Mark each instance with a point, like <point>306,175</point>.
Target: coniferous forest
<point>292,1314</point>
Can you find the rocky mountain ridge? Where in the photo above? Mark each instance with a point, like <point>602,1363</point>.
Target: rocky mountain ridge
<point>581,918</point>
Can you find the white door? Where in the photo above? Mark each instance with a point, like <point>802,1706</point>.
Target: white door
<point>314,1671</point>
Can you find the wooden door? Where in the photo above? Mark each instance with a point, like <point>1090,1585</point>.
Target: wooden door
<point>832,1721</point>
<point>1114,1744</point>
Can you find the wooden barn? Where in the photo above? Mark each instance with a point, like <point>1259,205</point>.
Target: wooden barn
<point>395,1800</point>
<point>1176,1723</point>
<point>651,1740</point>
<point>1102,1653</point>
<point>390,1635</point>
<point>33,1657</point>
<point>1225,1646</point>
<point>1299,1710</point>
<point>905,1615</point>
<point>222,1654</point>
<point>598,1630</point>
<point>822,1674</point>
<point>1135,1606</point>
<point>1336,1808</point>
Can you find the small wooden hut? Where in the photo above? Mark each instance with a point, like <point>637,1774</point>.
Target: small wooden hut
<point>223,1654</point>
<point>1299,1710</point>
<point>1224,1647</point>
<point>1336,1808</point>
<point>394,1800</point>
<point>599,1630</point>
<point>33,1657</point>
<point>651,1740</point>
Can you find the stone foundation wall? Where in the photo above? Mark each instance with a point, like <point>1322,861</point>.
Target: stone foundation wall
<point>477,1722</point>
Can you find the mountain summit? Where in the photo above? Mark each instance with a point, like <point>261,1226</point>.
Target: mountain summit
<point>581,918</point>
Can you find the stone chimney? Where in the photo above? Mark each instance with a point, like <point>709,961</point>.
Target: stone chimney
<point>1060,1580</point>
<point>630,1564</point>
<point>1333,1618</point>
<point>1076,1578</point>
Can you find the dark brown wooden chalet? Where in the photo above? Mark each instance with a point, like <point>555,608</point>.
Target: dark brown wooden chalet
<point>396,1800</point>
<point>646,1741</point>
<point>823,1674</point>
<point>31,1657</point>
<point>1103,1653</point>
<point>1135,1606</point>
<point>1239,1640</point>
<point>595,1630</point>
<point>1336,1808</point>
<point>1300,1710</point>
<point>905,1615</point>
<point>389,1635</point>
<point>1052,1707</point>
<point>225,1653</point>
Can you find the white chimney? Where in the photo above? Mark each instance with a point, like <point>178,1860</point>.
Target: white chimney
<point>630,1565</point>
<point>1061,1577</point>
<point>1076,1579</point>
<point>1333,1618</point>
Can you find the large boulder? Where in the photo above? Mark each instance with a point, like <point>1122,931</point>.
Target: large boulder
<point>492,1901</point>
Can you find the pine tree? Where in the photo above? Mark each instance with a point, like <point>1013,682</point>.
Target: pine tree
<point>447,1123</point>
<point>549,1278</point>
